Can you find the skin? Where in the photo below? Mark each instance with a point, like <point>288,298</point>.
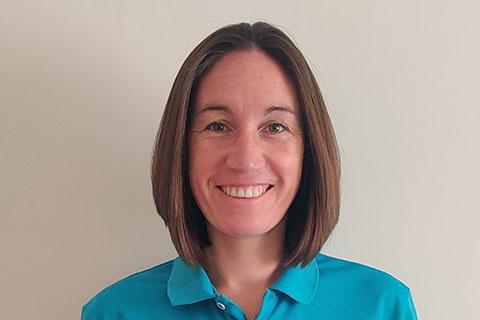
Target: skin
<point>245,132</point>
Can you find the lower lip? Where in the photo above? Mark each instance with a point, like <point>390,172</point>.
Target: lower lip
<point>246,200</point>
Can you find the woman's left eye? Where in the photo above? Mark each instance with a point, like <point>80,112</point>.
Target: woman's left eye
<point>276,128</point>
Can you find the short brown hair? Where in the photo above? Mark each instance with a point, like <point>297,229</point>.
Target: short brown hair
<point>314,211</point>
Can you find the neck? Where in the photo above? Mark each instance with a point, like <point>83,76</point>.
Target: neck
<point>238,263</point>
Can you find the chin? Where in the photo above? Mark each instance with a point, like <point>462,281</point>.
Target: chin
<point>244,229</point>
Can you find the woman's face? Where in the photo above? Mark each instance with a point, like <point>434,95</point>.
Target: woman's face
<point>245,145</point>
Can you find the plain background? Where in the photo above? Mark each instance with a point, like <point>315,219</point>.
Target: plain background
<point>82,90</point>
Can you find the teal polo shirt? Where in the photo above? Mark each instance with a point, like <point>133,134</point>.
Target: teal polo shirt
<point>326,288</point>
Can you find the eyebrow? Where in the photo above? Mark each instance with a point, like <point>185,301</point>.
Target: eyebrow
<point>228,110</point>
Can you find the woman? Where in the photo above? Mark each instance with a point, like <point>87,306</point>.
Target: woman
<point>246,174</point>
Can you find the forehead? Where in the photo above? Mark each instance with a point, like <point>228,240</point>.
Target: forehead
<point>246,80</point>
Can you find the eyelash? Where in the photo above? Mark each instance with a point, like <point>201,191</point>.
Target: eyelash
<point>210,127</point>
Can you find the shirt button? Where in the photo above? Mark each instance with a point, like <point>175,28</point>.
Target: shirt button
<point>220,306</point>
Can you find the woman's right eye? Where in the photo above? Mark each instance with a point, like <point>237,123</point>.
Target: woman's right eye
<point>216,127</point>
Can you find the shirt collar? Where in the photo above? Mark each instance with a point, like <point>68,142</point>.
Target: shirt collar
<point>188,284</point>
<point>299,283</point>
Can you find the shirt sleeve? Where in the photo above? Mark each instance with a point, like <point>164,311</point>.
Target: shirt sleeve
<point>89,313</point>
<point>96,310</point>
<point>406,309</point>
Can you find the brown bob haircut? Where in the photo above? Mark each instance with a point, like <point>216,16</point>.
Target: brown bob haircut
<point>314,211</point>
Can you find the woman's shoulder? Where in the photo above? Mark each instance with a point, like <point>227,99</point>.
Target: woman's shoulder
<point>342,271</point>
<point>134,290</point>
<point>367,289</point>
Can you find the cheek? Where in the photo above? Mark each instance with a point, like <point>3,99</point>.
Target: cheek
<point>202,161</point>
<point>195,163</point>
<point>288,158</point>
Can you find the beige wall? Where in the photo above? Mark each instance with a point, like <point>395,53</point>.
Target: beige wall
<point>82,87</point>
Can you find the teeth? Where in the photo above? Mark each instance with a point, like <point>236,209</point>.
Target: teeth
<point>246,192</point>
<point>241,193</point>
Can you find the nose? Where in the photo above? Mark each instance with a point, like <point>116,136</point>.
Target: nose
<point>246,153</point>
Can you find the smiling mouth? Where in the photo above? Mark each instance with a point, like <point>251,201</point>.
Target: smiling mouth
<point>245,192</point>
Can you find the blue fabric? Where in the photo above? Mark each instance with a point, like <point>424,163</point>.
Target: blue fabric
<point>327,288</point>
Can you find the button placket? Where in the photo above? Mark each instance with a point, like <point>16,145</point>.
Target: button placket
<point>230,309</point>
